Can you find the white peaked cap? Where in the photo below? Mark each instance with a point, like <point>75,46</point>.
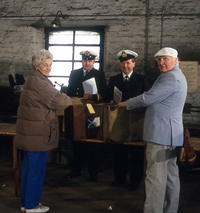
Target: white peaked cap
<point>89,51</point>
<point>128,52</point>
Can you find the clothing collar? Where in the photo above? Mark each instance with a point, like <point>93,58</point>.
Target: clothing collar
<point>129,75</point>
<point>84,71</point>
<point>40,75</point>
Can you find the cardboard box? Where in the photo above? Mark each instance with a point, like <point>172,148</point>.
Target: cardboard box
<point>81,124</point>
<point>121,125</point>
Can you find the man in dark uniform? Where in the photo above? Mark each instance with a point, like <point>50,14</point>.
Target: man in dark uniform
<point>75,89</point>
<point>130,84</point>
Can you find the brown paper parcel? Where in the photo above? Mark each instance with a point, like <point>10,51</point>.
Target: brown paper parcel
<point>121,125</point>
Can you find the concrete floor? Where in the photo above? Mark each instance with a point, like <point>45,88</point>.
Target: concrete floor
<point>79,195</point>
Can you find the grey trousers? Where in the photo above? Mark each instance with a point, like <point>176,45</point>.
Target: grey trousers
<point>162,183</point>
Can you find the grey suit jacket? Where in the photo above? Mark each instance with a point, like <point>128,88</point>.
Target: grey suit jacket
<point>164,101</point>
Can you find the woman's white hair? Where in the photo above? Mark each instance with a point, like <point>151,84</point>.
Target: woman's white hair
<point>40,56</point>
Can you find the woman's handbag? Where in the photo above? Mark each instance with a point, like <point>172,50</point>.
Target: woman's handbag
<point>186,154</point>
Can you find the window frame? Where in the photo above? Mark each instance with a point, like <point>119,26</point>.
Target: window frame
<point>100,30</point>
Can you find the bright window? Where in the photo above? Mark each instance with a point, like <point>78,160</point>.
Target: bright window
<point>66,44</point>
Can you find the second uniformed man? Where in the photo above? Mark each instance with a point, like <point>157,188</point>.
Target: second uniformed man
<point>131,85</point>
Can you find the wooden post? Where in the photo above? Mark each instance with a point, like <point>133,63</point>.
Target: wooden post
<point>17,162</point>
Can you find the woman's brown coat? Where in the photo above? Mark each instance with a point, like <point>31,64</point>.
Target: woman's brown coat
<point>37,125</point>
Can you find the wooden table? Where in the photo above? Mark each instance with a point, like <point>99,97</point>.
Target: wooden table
<point>194,141</point>
<point>134,143</point>
<point>10,129</point>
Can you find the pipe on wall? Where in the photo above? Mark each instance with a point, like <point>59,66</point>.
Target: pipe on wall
<point>146,35</point>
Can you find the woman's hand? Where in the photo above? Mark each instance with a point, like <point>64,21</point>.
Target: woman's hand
<point>122,104</point>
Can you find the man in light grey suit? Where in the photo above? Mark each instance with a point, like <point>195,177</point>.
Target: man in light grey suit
<point>163,131</point>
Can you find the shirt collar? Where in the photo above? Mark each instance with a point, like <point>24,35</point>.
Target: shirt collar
<point>84,71</point>
<point>128,75</point>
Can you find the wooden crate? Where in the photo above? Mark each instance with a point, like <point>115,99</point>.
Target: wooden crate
<point>76,122</point>
<point>121,125</point>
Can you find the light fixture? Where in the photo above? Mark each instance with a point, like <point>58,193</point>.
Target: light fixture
<point>56,21</point>
<point>40,23</point>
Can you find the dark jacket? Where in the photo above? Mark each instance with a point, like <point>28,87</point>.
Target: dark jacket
<point>137,85</point>
<point>37,124</point>
<point>75,87</point>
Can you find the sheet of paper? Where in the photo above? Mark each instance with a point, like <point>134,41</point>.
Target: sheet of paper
<point>90,86</point>
<point>117,95</point>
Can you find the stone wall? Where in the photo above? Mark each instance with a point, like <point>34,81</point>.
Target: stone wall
<point>18,44</point>
<point>140,25</point>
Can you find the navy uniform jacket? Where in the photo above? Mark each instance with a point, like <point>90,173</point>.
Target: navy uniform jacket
<point>163,123</point>
<point>75,87</point>
<point>136,86</point>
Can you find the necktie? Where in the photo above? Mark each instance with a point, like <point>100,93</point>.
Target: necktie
<point>126,79</point>
<point>86,72</point>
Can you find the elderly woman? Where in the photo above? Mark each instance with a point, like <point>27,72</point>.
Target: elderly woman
<point>37,129</point>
